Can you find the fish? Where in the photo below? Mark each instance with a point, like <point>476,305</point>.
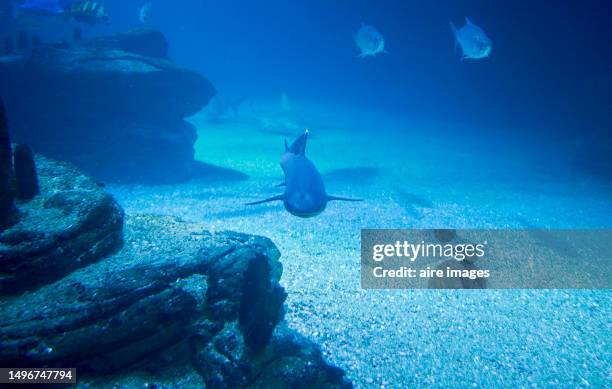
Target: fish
<point>369,41</point>
<point>88,12</point>
<point>305,194</point>
<point>474,42</point>
<point>144,15</point>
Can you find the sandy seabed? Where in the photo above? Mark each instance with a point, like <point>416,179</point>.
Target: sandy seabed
<point>411,175</point>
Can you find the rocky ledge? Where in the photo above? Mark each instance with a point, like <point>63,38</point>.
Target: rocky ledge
<point>189,307</point>
<point>207,300</point>
<point>70,224</point>
<point>114,106</point>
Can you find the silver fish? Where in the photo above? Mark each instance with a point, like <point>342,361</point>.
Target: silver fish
<point>144,15</point>
<point>369,41</point>
<point>474,43</point>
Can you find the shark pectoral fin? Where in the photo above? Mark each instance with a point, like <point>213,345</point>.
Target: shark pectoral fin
<point>280,185</point>
<point>275,198</point>
<point>337,198</point>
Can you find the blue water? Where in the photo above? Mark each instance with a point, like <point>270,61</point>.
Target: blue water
<point>520,139</point>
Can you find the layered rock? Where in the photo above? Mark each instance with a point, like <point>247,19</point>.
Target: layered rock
<point>173,289</point>
<point>71,224</point>
<point>7,194</point>
<point>173,300</point>
<point>114,106</point>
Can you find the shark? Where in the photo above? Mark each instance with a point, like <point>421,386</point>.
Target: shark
<point>304,194</point>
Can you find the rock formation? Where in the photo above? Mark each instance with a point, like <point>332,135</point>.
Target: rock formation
<point>114,106</point>
<point>6,171</point>
<point>71,224</point>
<point>26,176</point>
<point>174,299</point>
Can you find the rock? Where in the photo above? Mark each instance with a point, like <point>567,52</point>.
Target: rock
<point>174,299</point>
<point>70,225</point>
<point>174,296</point>
<point>289,361</point>
<point>293,361</point>
<point>244,288</point>
<point>114,106</point>
<point>145,42</point>
<point>26,177</point>
<point>114,312</point>
<point>7,210</point>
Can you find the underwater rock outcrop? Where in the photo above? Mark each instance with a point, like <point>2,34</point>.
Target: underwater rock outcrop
<point>7,194</point>
<point>174,289</point>
<point>161,295</point>
<point>71,224</point>
<point>26,176</point>
<point>114,106</point>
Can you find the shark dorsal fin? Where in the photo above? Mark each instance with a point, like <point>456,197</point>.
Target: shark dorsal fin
<point>467,20</point>
<point>298,147</point>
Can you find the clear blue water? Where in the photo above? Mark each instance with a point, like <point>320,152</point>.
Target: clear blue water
<point>521,139</point>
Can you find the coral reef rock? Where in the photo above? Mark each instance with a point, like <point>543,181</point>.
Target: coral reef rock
<point>114,106</point>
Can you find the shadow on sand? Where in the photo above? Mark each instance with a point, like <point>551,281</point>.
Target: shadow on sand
<point>213,173</point>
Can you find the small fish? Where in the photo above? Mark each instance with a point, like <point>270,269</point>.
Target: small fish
<point>369,41</point>
<point>144,15</point>
<point>474,43</point>
<point>89,12</point>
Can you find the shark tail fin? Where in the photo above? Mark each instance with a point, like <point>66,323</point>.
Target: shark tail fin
<point>275,198</point>
<point>338,198</point>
